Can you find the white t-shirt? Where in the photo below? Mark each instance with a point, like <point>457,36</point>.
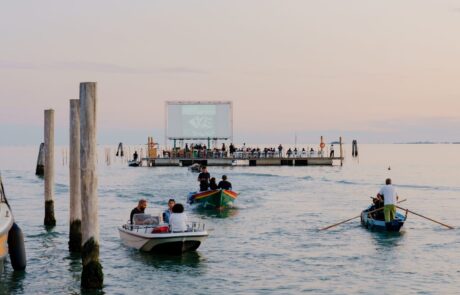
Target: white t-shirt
<point>178,222</point>
<point>389,193</point>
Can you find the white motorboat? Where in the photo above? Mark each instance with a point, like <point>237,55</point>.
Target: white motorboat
<point>154,236</point>
<point>6,222</point>
<point>11,237</point>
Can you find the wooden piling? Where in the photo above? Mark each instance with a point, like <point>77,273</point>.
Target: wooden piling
<point>74,175</point>
<point>341,151</point>
<point>40,169</point>
<point>92,276</point>
<point>50,220</point>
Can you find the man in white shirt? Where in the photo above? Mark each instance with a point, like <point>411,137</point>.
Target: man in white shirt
<point>389,196</point>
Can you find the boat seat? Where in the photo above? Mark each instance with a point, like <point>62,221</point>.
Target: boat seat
<point>145,219</point>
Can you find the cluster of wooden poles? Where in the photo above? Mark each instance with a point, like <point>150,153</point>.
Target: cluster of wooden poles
<point>83,212</point>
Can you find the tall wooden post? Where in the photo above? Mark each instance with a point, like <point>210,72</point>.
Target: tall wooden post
<point>49,168</point>
<point>40,169</point>
<point>74,175</point>
<point>341,151</point>
<point>92,276</point>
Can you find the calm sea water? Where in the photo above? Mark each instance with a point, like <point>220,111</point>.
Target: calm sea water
<point>270,242</point>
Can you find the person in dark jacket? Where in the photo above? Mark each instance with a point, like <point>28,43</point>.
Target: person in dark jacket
<point>139,209</point>
<point>224,184</point>
<point>213,184</point>
<point>203,178</point>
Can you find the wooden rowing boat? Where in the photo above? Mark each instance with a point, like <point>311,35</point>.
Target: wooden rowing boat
<point>370,222</point>
<point>213,199</point>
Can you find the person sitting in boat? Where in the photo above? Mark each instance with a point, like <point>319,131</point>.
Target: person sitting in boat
<point>135,156</point>
<point>167,212</point>
<point>213,184</point>
<point>178,219</point>
<point>142,204</point>
<point>224,184</point>
<point>203,178</point>
<point>377,204</point>
<point>389,196</point>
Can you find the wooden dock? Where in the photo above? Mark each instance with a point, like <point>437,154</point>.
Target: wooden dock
<point>284,161</point>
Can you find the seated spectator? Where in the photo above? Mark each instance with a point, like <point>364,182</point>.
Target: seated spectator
<point>224,184</point>
<point>178,219</point>
<point>141,205</point>
<point>167,212</point>
<point>213,184</point>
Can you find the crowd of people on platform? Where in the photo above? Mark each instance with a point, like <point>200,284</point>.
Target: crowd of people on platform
<point>244,152</point>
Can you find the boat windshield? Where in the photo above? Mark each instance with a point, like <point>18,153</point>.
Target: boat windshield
<point>145,219</point>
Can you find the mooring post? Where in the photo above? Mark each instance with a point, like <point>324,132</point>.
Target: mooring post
<point>341,151</point>
<point>40,169</point>
<point>74,175</point>
<point>49,168</point>
<point>92,276</point>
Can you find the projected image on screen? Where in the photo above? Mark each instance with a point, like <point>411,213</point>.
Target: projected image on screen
<point>199,120</point>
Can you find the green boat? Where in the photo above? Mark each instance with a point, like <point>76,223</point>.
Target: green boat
<point>213,199</point>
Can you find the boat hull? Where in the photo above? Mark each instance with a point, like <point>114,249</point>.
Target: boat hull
<point>134,163</point>
<point>213,199</point>
<point>171,243</point>
<point>380,225</point>
<point>6,222</point>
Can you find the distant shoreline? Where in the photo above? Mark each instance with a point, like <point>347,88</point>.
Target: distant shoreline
<point>428,142</point>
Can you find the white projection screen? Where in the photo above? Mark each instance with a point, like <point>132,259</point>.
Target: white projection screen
<point>199,120</point>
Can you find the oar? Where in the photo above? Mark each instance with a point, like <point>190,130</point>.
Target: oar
<point>448,226</point>
<point>330,226</point>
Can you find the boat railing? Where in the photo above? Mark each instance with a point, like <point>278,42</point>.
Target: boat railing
<point>192,226</point>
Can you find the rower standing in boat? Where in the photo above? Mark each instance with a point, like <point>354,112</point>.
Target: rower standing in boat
<point>203,178</point>
<point>224,184</point>
<point>135,156</point>
<point>390,198</point>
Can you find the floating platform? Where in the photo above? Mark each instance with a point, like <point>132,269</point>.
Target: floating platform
<point>184,162</point>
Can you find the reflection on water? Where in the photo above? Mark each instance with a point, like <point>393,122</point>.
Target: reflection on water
<point>224,213</point>
<point>11,282</point>
<point>168,262</point>
<point>390,240</point>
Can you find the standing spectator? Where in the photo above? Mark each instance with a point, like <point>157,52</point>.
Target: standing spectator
<point>280,150</point>
<point>203,178</point>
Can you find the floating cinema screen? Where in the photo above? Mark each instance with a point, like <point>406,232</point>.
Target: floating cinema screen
<point>199,120</point>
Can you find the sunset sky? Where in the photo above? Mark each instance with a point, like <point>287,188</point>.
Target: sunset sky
<point>379,71</point>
